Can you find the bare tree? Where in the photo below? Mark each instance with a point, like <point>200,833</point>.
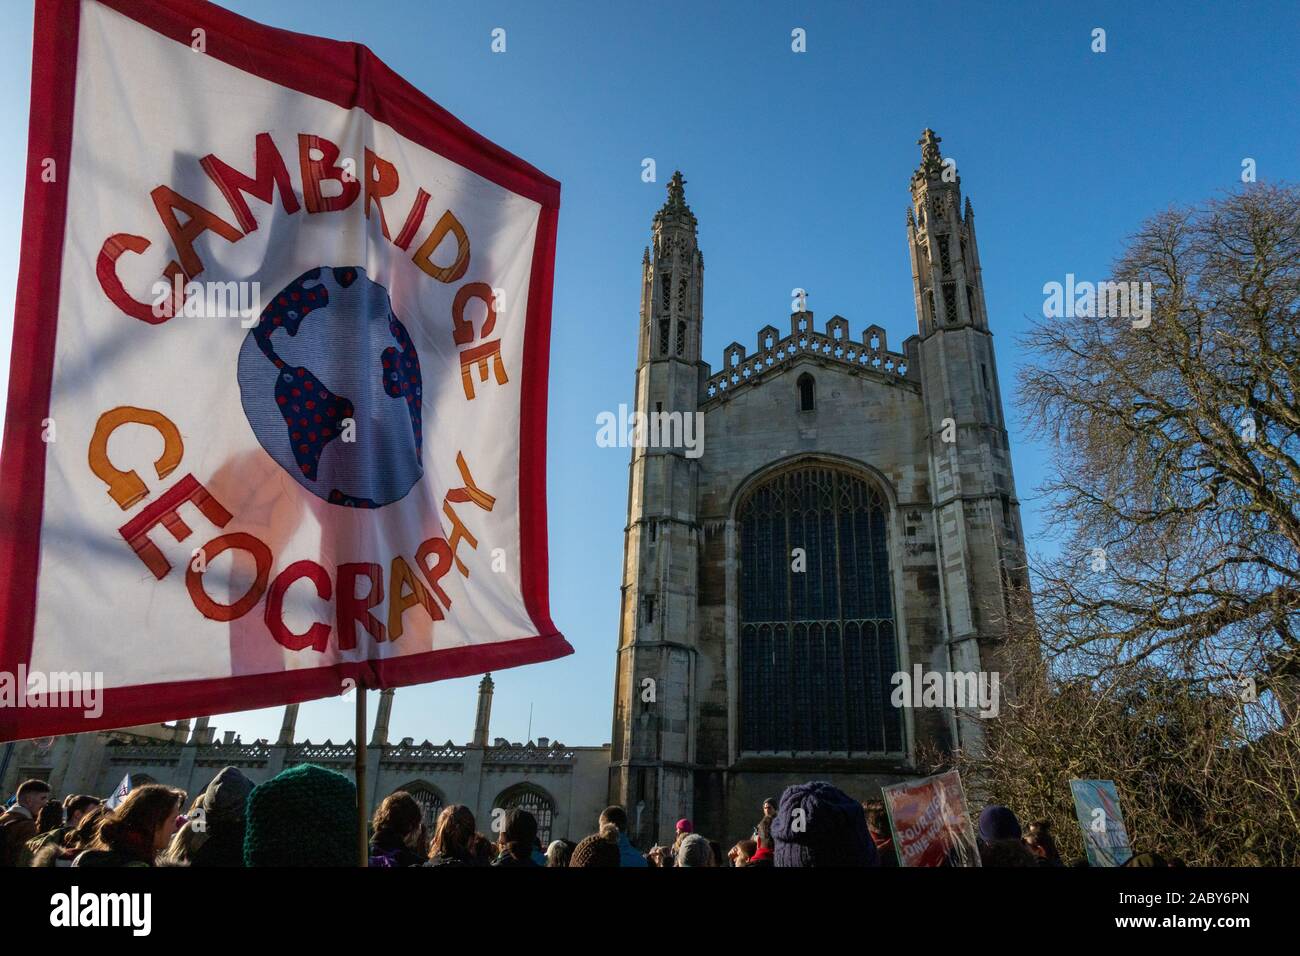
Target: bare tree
<point>1175,485</point>
<point>1175,593</point>
<point>1194,782</point>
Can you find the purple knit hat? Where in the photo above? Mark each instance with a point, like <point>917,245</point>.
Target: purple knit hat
<point>998,823</point>
<point>831,830</point>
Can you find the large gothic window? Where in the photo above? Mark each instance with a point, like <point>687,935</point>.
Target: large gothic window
<point>527,796</point>
<point>429,799</point>
<point>817,637</point>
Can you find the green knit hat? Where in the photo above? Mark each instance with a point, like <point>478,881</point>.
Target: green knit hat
<point>304,816</point>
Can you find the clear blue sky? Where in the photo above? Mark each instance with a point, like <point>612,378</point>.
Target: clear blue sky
<point>797,167</point>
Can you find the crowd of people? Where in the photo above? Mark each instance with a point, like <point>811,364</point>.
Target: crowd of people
<point>306,816</point>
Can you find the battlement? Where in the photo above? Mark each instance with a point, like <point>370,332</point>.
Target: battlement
<point>833,345</point>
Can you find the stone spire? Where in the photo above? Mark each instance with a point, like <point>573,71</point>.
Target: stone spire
<point>930,172</point>
<point>672,289</point>
<point>287,726</point>
<point>200,733</point>
<point>483,716</point>
<point>675,209</point>
<point>942,239</point>
<point>379,738</point>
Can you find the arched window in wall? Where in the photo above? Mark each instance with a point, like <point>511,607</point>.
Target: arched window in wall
<point>818,643</point>
<point>807,393</point>
<point>429,799</point>
<point>527,796</point>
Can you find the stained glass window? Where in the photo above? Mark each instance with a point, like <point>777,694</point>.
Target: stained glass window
<point>818,643</point>
<point>525,796</point>
<point>430,802</point>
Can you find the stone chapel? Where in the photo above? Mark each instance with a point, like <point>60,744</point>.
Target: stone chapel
<point>852,514</point>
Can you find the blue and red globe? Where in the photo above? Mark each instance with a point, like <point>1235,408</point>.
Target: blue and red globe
<point>330,383</point>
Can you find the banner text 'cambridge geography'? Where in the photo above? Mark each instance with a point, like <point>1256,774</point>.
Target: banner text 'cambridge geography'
<point>276,417</point>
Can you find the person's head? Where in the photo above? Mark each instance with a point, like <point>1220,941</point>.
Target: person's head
<point>397,820</point>
<point>998,823</point>
<point>819,825</point>
<point>615,815</point>
<point>33,795</point>
<point>453,833</point>
<point>1038,837</point>
<point>482,851</point>
<point>518,833</point>
<point>764,836</point>
<point>303,816</point>
<point>143,823</point>
<point>740,853</point>
<point>559,853</point>
<point>76,807</point>
<point>50,817</point>
<point>599,849</point>
<point>685,826</point>
<point>83,834</point>
<point>877,818</point>
<point>224,802</point>
<point>185,844</point>
<point>694,850</point>
<point>769,807</point>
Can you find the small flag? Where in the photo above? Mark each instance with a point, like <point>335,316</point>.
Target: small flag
<point>120,793</point>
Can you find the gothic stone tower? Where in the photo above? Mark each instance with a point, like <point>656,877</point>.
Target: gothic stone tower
<point>852,514</point>
<point>980,543</point>
<point>652,758</point>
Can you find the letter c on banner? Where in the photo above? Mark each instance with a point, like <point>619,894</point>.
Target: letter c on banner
<point>126,487</point>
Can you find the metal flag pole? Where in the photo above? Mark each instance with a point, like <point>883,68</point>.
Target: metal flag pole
<point>363,843</point>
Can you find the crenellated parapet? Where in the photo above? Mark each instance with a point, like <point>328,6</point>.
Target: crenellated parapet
<point>326,754</point>
<point>530,753</point>
<point>832,346</point>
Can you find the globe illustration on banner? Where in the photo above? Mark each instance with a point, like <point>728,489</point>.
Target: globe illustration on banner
<point>330,383</point>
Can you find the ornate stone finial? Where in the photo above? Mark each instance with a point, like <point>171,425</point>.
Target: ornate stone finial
<point>676,194</point>
<point>675,207</point>
<point>931,160</point>
<point>486,683</point>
